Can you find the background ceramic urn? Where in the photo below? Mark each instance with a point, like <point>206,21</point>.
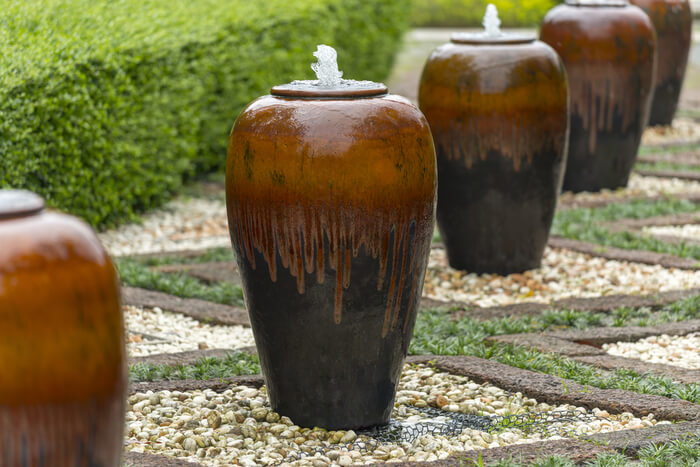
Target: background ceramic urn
<point>63,377</point>
<point>330,198</point>
<point>497,108</point>
<point>673,24</point>
<point>608,48</point>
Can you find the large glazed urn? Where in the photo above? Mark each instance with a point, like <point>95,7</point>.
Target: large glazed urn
<point>672,21</point>
<point>63,372</point>
<point>330,194</point>
<point>608,48</point>
<point>497,107</point>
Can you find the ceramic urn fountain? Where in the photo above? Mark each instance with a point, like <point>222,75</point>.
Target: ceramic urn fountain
<point>673,22</point>
<point>497,107</point>
<point>330,189</point>
<point>63,378</point>
<point>608,48</point>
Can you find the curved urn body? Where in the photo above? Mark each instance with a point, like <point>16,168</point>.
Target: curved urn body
<point>498,112</point>
<point>673,23</point>
<point>63,378</point>
<point>608,49</point>
<point>330,200</point>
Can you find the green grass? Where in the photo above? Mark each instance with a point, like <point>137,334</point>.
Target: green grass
<point>666,149</point>
<point>436,334</point>
<point>238,363</point>
<point>136,274</point>
<point>219,255</point>
<point>584,224</point>
<point>667,166</point>
<point>683,452</point>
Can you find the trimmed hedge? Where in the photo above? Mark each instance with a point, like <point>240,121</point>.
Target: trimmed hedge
<point>105,105</point>
<point>470,13</point>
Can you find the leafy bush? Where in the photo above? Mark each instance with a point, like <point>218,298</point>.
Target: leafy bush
<point>470,13</point>
<point>105,105</point>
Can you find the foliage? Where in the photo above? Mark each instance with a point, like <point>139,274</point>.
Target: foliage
<point>136,274</point>
<point>584,224</point>
<point>235,364</point>
<point>470,13</point>
<point>106,105</point>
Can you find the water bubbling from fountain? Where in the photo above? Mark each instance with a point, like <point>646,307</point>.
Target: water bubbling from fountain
<point>326,68</point>
<point>492,23</point>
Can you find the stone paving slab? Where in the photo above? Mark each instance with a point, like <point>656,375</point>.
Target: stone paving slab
<point>627,225</point>
<point>547,343</point>
<point>680,174</point>
<point>619,254</point>
<point>600,203</point>
<point>607,335</point>
<point>208,272</point>
<point>136,459</point>
<point>690,158</point>
<point>201,310</point>
<point>189,357</point>
<point>602,304</point>
<point>614,362</point>
<point>219,385</point>
<point>630,442</point>
<point>550,389</point>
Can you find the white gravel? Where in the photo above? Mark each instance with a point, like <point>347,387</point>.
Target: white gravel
<point>688,231</point>
<point>682,351</point>
<point>237,427</point>
<point>682,129</point>
<point>156,331</point>
<point>639,186</point>
<point>563,274</point>
<point>183,224</point>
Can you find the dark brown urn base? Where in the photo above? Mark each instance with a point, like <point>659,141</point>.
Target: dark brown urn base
<point>609,166</point>
<point>665,102</point>
<point>319,373</point>
<point>494,219</point>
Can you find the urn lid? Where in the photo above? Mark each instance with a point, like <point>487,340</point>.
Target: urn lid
<point>598,3</point>
<point>19,203</point>
<point>492,34</point>
<point>329,83</point>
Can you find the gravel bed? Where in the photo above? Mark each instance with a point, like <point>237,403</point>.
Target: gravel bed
<point>563,274</point>
<point>237,427</point>
<point>682,129</point>
<point>682,351</point>
<point>688,231</point>
<point>638,186</point>
<point>183,224</point>
<point>156,331</point>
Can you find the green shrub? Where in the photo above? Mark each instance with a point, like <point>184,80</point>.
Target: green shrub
<point>470,13</point>
<point>105,105</point>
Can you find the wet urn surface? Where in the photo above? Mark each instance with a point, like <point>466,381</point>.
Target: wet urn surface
<point>331,213</point>
<point>498,113</point>
<point>609,55</point>
<point>63,378</point>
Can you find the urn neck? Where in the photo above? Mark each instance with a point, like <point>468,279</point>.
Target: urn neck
<point>19,203</point>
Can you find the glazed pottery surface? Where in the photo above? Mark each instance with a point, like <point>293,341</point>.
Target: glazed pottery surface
<point>673,22</point>
<point>498,112</point>
<point>608,49</point>
<point>63,378</point>
<point>331,203</point>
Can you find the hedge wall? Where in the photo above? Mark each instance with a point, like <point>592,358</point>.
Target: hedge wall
<point>105,105</point>
<point>470,13</point>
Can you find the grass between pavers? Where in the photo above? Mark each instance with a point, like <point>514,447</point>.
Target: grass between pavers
<point>584,224</point>
<point>667,166</point>
<point>137,274</point>
<point>679,453</point>
<point>667,149</point>
<point>235,364</point>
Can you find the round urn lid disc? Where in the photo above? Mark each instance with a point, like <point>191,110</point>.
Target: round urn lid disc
<point>19,203</point>
<point>484,39</point>
<point>347,88</point>
<point>598,3</point>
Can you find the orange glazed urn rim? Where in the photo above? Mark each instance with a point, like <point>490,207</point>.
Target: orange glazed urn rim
<point>483,39</point>
<point>19,203</point>
<point>346,89</point>
<point>598,3</point>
